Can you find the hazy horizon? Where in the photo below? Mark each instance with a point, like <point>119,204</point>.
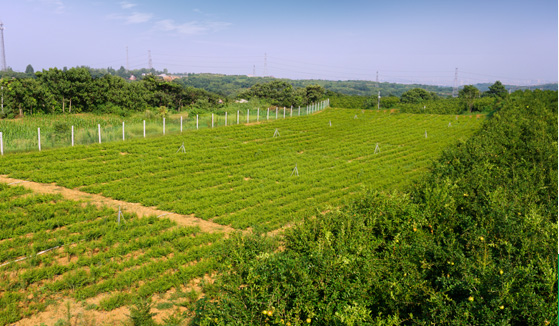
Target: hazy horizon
<point>406,42</point>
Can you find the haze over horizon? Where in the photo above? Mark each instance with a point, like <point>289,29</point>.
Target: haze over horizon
<point>515,42</point>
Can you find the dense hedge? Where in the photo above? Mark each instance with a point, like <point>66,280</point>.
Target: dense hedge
<point>471,244</point>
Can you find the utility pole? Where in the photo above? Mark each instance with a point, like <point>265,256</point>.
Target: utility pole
<point>4,67</point>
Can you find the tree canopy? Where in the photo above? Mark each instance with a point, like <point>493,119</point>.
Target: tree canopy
<point>468,94</point>
<point>497,90</point>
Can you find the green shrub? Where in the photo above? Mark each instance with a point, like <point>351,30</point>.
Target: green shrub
<point>471,244</point>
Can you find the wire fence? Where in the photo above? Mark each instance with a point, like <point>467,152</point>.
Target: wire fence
<point>22,138</point>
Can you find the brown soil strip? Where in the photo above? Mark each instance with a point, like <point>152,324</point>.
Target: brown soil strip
<point>100,201</point>
<point>80,315</point>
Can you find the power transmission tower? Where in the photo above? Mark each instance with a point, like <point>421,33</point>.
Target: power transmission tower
<point>265,64</point>
<point>150,63</point>
<point>455,88</point>
<point>4,67</point>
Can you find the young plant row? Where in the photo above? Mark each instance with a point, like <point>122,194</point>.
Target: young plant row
<point>245,175</point>
<point>51,247</point>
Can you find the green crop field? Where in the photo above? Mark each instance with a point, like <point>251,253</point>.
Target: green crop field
<point>52,247</point>
<point>240,175</point>
<point>244,175</point>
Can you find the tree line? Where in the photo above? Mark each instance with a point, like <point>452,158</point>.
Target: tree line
<point>83,89</point>
<point>78,90</point>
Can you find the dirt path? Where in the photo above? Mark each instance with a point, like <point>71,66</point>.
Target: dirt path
<point>100,201</point>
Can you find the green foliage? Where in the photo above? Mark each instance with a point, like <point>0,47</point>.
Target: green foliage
<point>78,90</point>
<point>97,254</point>
<point>281,93</point>
<point>140,313</point>
<point>496,90</point>
<point>417,95</point>
<point>468,94</point>
<point>241,175</point>
<point>473,243</point>
<point>115,301</point>
<point>233,85</point>
<point>347,101</point>
<point>441,106</point>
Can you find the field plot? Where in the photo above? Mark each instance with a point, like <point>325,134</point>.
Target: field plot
<point>244,175</point>
<point>52,248</point>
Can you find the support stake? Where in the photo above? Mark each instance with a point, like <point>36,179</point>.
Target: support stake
<point>181,149</point>
<point>295,171</point>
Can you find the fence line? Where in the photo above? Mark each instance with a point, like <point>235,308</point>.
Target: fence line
<point>86,134</point>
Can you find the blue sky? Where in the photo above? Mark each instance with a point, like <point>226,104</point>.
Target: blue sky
<point>405,41</point>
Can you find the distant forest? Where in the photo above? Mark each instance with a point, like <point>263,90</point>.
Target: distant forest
<point>85,89</point>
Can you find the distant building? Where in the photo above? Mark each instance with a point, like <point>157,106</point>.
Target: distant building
<point>167,77</point>
<point>241,101</point>
<point>132,77</point>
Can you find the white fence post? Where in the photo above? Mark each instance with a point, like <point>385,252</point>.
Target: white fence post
<point>72,135</point>
<point>99,132</point>
<point>268,114</point>
<point>164,126</point>
<point>39,137</point>
<point>291,112</point>
<point>237,116</point>
<point>181,123</point>
<point>284,112</point>
<point>144,128</point>
<point>122,130</point>
<point>276,112</point>
<point>196,122</point>
<point>1,144</point>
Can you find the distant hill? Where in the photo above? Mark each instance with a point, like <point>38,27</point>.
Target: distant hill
<point>231,85</point>
<point>483,87</point>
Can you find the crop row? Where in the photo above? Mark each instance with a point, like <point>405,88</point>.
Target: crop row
<point>245,175</point>
<point>52,246</point>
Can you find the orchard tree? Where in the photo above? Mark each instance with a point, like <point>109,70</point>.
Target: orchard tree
<point>29,70</point>
<point>417,95</point>
<point>468,94</point>
<point>279,92</point>
<point>497,90</point>
<point>314,93</point>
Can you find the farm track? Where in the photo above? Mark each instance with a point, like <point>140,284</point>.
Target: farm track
<point>100,201</point>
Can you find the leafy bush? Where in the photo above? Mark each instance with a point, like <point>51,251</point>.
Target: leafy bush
<point>473,243</point>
